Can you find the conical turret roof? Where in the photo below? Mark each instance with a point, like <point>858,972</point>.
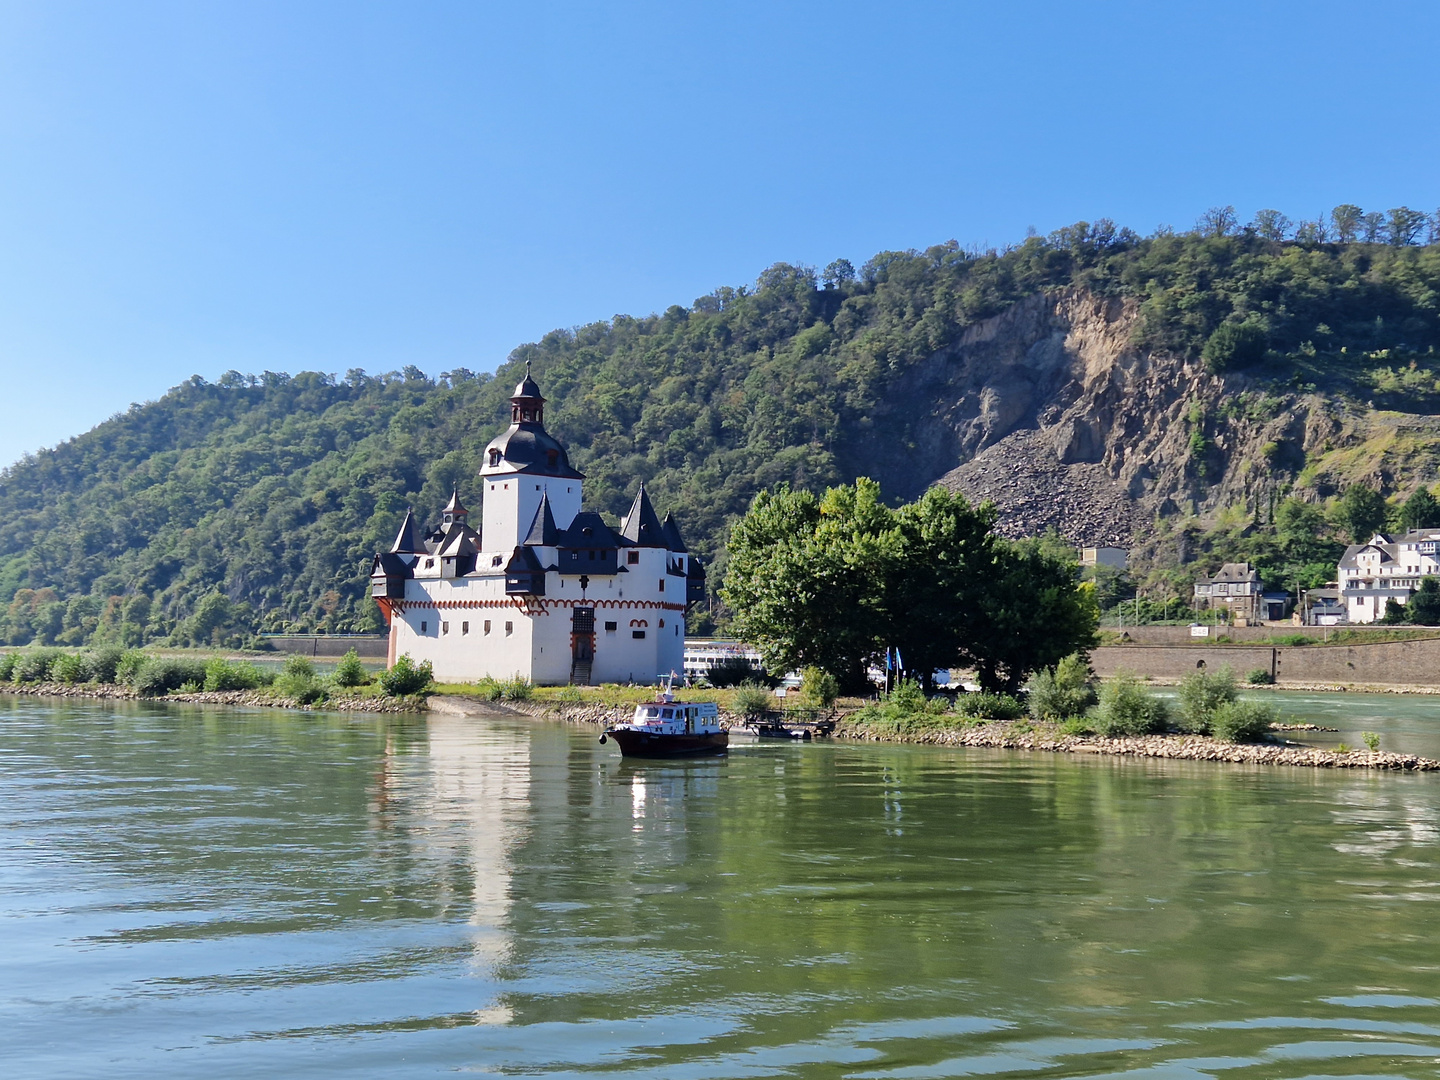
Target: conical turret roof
<point>671,531</point>
<point>642,526</point>
<point>408,539</point>
<point>543,532</point>
<point>454,506</point>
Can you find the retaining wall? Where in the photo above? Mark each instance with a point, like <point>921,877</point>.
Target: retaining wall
<point>1381,663</point>
<point>370,647</point>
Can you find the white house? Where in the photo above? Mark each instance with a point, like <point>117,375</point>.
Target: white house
<point>543,589</point>
<point>1386,569</point>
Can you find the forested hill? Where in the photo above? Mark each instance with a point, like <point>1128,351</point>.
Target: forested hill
<point>255,502</point>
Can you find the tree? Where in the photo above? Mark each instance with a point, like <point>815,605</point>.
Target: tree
<point>1405,225</point>
<point>1271,225</point>
<point>1424,606</point>
<point>1361,512</point>
<point>1421,511</point>
<point>1372,228</point>
<point>1346,218</point>
<point>833,582</point>
<point>1217,221</point>
<point>838,273</point>
<point>1234,345</point>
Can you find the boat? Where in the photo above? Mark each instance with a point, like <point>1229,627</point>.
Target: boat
<point>666,728</point>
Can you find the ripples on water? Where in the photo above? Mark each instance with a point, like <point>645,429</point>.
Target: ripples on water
<point>187,891</point>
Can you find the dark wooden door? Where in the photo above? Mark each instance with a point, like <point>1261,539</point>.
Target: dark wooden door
<point>582,633</point>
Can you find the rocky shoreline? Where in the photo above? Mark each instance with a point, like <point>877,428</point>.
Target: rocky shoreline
<point>253,698</point>
<point>1008,736</point>
<point>1000,735</point>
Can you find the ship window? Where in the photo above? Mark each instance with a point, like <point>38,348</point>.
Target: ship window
<point>509,628</point>
<point>637,634</point>
<point>632,557</point>
<point>464,628</point>
<point>667,714</point>
<point>610,627</point>
<point>487,626</point>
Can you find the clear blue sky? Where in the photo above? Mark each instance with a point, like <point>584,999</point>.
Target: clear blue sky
<point>192,187</point>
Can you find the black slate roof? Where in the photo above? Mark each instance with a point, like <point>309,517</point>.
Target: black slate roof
<point>642,527</point>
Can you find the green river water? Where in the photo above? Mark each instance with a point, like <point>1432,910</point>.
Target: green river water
<point>193,892</point>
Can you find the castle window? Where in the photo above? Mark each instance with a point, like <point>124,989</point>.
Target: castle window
<point>509,628</point>
<point>424,627</point>
<point>662,584</point>
<point>494,460</point>
<point>444,628</point>
<point>610,627</point>
<point>553,456</point>
<point>662,624</point>
<point>592,554</point>
<point>537,487</point>
<point>495,560</point>
<point>638,635</point>
<point>429,563</point>
<point>464,628</point>
<point>574,556</point>
<point>633,558</point>
<point>487,626</point>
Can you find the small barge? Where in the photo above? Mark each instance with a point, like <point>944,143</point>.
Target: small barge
<point>666,728</point>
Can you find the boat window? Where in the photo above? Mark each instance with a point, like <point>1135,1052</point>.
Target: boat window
<point>650,712</point>
<point>668,714</point>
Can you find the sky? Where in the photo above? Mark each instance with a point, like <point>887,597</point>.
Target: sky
<point>189,188</point>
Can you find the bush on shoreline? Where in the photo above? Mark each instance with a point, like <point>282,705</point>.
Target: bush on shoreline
<point>1060,693</point>
<point>1201,694</point>
<point>1127,708</point>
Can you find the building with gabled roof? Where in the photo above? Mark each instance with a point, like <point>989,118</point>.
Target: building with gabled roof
<point>544,589</point>
<point>1386,568</point>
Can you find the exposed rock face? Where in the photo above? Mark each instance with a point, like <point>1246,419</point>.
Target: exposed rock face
<point>1053,413</point>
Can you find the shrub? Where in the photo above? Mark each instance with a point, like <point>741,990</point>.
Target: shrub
<point>1259,677</point>
<point>350,671</point>
<point>1078,725</point>
<point>1371,740</point>
<point>818,688</point>
<point>159,676</point>
<point>1063,691</point>
<point>298,667</point>
<point>570,694</point>
<point>7,666</point>
<point>751,700</point>
<point>1127,708</point>
<point>517,687</point>
<point>491,689</point>
<point>129,665</point>
<point>71,668</point>
<point>1242,721</point>
<point>34,665</point>
<point>908,695</point>
<point>1342,748</point>
<point>988,706</point>
<point>104,661</point>
<point>220,674</point>
<point>1201,694</point>
<point>730,672</point>
<point>406,677</point>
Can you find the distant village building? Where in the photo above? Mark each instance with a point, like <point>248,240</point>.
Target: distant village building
<point>1386,569</point>
<point>1237,588</point>
<point>1113,557</point>
<point>543,589</point>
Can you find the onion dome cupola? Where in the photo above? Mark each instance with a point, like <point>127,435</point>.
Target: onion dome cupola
<point>525,446</point>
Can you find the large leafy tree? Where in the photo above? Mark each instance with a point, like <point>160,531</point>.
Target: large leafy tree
<point>833,581</point>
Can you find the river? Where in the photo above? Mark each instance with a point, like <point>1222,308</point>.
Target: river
<point>206,892</point>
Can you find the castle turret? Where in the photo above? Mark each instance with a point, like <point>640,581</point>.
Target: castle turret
<point>521,467</point>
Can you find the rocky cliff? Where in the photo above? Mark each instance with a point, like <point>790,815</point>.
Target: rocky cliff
<point>1054,414</point>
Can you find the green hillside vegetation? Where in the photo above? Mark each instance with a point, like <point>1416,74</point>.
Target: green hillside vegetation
<point>253,503</point>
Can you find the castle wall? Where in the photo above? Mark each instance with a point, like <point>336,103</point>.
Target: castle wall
<point>510,503</point>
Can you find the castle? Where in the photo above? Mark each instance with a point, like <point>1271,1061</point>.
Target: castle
<point>544,590</point>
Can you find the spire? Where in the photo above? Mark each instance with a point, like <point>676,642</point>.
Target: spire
<point>454,509</point>
<point>671,532</point>
<point>527,406</point>
<point>543,532</point>
<point>408,540</point>
<point>642,527</point>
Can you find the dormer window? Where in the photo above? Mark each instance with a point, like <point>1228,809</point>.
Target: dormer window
<point>494,458</point>
<point>553,457</point>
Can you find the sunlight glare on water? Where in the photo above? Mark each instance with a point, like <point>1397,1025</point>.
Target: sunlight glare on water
<point>188,891</point>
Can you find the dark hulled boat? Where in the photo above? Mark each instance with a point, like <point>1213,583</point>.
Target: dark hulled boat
<point>666,728</point>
